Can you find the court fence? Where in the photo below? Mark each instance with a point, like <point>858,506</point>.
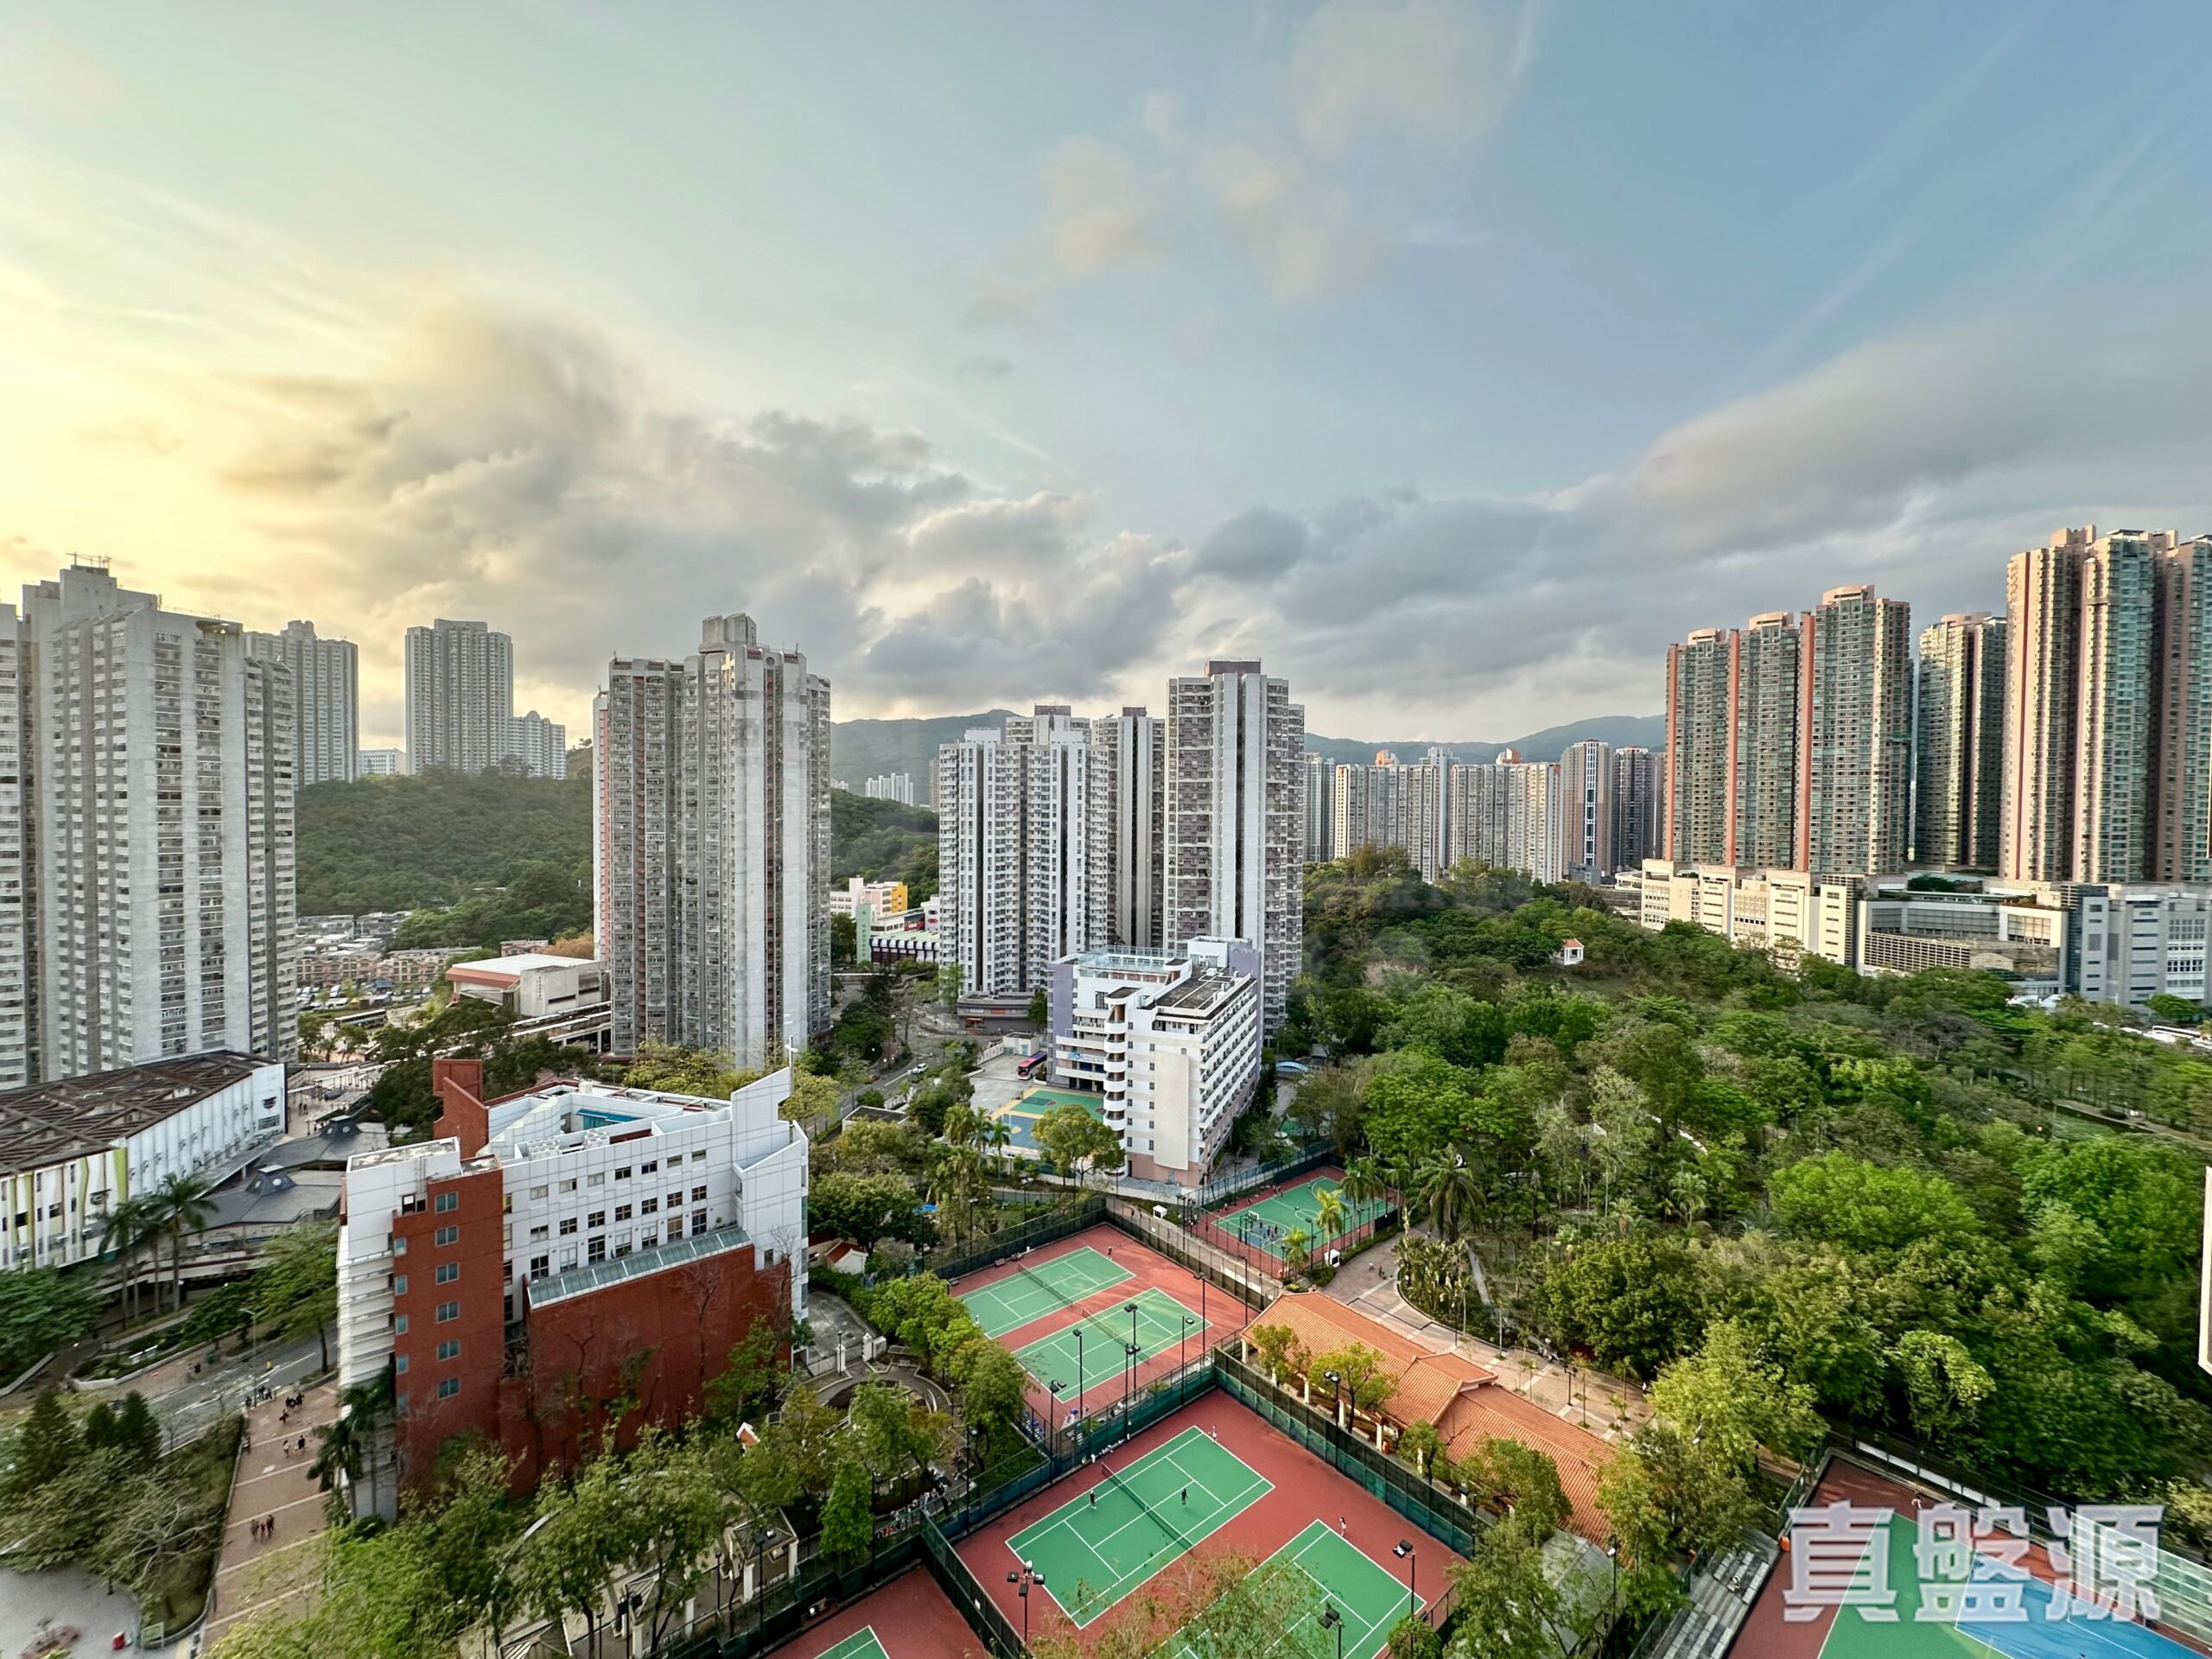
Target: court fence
<point>1452,1523</point>
<point>1220,1236</point>
<point>950,1261</point>
<point>1217,1267</point>
<point>1316,1154</point>
<point>965,1591</point>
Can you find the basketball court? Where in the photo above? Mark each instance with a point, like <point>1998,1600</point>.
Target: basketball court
<point>1267,1223</point>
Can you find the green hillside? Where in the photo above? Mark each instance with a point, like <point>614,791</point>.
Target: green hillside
<point>406,843</point>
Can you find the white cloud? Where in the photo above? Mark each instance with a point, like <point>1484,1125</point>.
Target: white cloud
<point>1424,67</point>
<point>1100,208</point>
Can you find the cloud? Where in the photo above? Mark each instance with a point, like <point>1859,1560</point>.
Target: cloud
<point>1315,190</point>
<point>1100,209</point>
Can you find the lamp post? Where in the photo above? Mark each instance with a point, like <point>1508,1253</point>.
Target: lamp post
<point>1412,1558</point>
<point>1183,1342</point>
<point>1333,1620</point>
<point>1022,1581</point>
<point>1613,1586</point>
<point>1053,1388</point>
<point>1129,1373</point>
<point>1337,1384</point>
<point>1078,1375</point>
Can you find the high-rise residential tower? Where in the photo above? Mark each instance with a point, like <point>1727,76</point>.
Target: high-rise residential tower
<point>1134,743</point>
<point>1765,688</point>
<point>1371,806</point>
<point>1586,809</point>
<point>146,838</point>
<point>327,688</point>
<point>541,745</point>
<point>710,820</point>
<point>1235,820</point>
<point>1700,686</point>
<point>460,697</point>
<point>2108,710</point>
<point>1320,819</point>
<point>1428,796</point>
<point>1855,736</point>
<point>2042,683</point>
<point>1959,751</point>
<point>1636,807</point>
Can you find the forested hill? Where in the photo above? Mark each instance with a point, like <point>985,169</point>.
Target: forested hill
<point>406,843</point>
<point>444,839</point>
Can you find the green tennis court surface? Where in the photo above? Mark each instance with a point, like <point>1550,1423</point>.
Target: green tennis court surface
<point>860,1644</point>
<point>1010,1303</point>
<point>1101,1544</point>
<point>1328,1571</point>
<point>1266,1224</point>
<point>1159,1325</point>
<point>1023,1113</point>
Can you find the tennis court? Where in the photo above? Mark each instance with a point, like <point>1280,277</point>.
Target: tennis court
<point>2030,1633</point>
<point>860,1644</point>
<point>1102,1543</point>
<point>1266,1222</point>
<point>1161,1323</point>
<point>1033,1292</point>
<point>1366,1595</point>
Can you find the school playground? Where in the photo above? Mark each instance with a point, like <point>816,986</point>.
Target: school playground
<point>1210,1478</point>
<point>907,1618</point>
<point>1070,1312</point>
<point>1021,1114</point>
<point>1848,1633</point>
<point>1259,1227</point>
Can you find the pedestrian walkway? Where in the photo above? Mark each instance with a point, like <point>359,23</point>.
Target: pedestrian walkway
<point>271,1568</point>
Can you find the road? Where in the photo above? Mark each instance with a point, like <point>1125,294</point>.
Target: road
<point>189,1405</point>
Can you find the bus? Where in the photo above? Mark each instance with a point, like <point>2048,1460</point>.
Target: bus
<point>1031,1067</point>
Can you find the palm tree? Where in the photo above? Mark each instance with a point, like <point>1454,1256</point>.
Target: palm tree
<point>1000,1134</point>
<point>350,1441</point>
<point>1329,1214</point>
<point>126,1227</point>
<point>1296,1250</point>
<point>1365,1182</point>
<point>181,1205</point>
<point>1448,1195</point>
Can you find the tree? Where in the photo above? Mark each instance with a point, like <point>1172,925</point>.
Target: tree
<point>1509,1475</point>
<point>865,1208</point>
<point>41,1308</point>
<point>2171,1010</point>
<point>1447,1193</point>
<point>1735,1400</point>
<point>1633,1302</point>
<point>48,1443</point>
<point>849,1518</point>
<point>181,1205</point>
<point>351,1442</point>
<point>1364,1375</point>
<point>994,1389</point>
<point>1419,1446</point>
<point>1864,1206</point>
<point>137,1431</point>
<point>1667,1495</point>
<point>126,1227</point>
<point>296,1286</point>
<point>752,1373</point>
<point>1076,1142</point>
<point>1944,1385</point>
<point>1041,1009</point>
<point>1329,1214</point>
<point>1279,1350</point>
<point>467,1532</point>
<point>1507,1605</point>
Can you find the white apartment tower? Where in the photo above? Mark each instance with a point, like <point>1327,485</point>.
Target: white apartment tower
<point>1023,839</point>
<point>1320,820</point>
<point>710,819</point>
<point>327,692</point>
<point>540,744</point>
<point>1235,820</point>
<point>1134,743</point>
<point>460,697</point>
<point>1855,738</point>
<point>147,904</point>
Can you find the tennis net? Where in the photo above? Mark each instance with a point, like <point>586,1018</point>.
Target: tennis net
<point>1114,1476</point>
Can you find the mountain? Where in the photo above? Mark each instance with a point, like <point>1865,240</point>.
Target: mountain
<point>860,748</point>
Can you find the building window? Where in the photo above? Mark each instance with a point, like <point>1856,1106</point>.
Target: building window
<point>539,1267</point>
<point>567,1225</point>
<point>597,1218</point>
<point>568,1186</point>
<point>449,1349</point>
<point>623,1173</point>
<point>539,1191</point>
<point>621,1212</point>
<point>698,1221</point>
<point>698,1195</point>
<point>399,1366</point>
<point>399,1245</point>
<point>446,1201</point>
<point>595,1250</point>
<point>447,1272</point>
<point>399,1284</point>
<point>448,1311</point>
<point>447,1236</point>
<point>400,1324</point>
<point>650,1207</point>
<point>539,1235</point>
<point>651,1166</point>
<point>700,1156</point>
<point>449,1387</point>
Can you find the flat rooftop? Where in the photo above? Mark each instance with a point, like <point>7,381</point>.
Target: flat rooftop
<point>49,1122</point>
<point>515,966</point>
<point>1202,993</point>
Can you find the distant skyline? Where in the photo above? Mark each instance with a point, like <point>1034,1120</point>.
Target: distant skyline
<point>1455,358</point>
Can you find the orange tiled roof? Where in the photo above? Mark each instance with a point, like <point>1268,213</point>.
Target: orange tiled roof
<point>1427,1381</point>
<point>1498,1412</point>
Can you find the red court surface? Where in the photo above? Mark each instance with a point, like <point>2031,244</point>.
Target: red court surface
<point>1223,1315</point>
<point>911,1619</point>
<point>1767,1635</point>
<point>1305,1488</point>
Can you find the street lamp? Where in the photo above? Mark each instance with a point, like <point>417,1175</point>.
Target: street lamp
<point>1337,1383</point>
<point>1613,1589</point>
<point>1053,1388</point>
<point>1022,1581</point>
<point>1183,1342</point>
<point>1412,1558</point>
<point>1333,1620</point>
<point>1078,1375</point>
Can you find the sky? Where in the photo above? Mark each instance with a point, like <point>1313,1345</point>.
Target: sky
<point>1450,357</point>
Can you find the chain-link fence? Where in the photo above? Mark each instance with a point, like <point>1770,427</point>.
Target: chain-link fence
<point>950,1262</point>
<point>1223,1271</point>
<point>1427,1505</point>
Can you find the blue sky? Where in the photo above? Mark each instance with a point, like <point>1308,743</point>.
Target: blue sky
<point>1452,357</point>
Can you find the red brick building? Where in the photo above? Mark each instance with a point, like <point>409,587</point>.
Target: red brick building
<point>566,1259</point>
